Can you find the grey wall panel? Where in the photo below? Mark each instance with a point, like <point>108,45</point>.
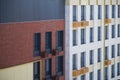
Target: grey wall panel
<point>31,10</point>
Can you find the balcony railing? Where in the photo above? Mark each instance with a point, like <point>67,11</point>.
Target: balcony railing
<point>108,62</point>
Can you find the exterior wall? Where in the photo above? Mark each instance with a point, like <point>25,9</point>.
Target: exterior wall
<point>21,72</point>
<point>95,23</point>
<point>16,47</point>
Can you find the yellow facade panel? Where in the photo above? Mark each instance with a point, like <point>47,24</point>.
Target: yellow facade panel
<point>118,20</point>
<point>114,2</point>
<point>91,68</point>
<point>84,2</point>
<point>112,21</point>
<point>118,1</point>
<point>22,72</point>
<point>72,2</point>
<point>100,2</point>
<point>93,2</point>
<point>99,65</point>
<point>91,23</point>
<point>118,59</point>
<point>99,22</point>
<point>113,61</point>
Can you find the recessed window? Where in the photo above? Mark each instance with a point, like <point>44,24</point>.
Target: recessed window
<point>107,11</point>
<point>36,72</point>
<point>118,11</point>
<point>82,59</point>
<point>113,71</point>
<point>74,13</point>
<point>91,56</point>
<point>99,34</point>
<point>99,54</point>
<point>59,40</point>
<point>59,65</point>
<point>118,69</point>
<point>91,76</point>
<point>118,30</point>
<point>106,52</point>
<point>107,32</point>
<point>83,77</point>
<point>74,61</point>
<point>83,12</point>
<point>106,73</point>
<point>113,51</point>
<point>91,35</point>
<point>83,36</point>
<point>113,11</point>
<point>113,31</point>
<point>91,12</point>
<point>99,74</point>
<point>74,37</point>
<point>37,45</point>
<point>99,12</point>
<point>48,42</point>
<point>118,49</point>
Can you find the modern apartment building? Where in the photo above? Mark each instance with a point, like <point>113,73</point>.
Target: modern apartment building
<point>32,39</point>
<point>92,40</point>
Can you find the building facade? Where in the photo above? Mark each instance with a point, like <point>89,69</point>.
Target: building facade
<point>32,40</point>
<point>92,40</point>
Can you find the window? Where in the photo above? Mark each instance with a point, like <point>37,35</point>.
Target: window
<point>113,71</point>
<point>83,12</point>
<point>106,53</point>
<point>107,11</point>
<point>74,78</point>
<point>48,42</point>
<point>48,68</point>
<point>99,12</point>
<point>83,59</point>
<point>106,32</point>
<point>74,61</point>
<point>91,35</point>
<point>118,30</point>
<point>37,44</point>
<point>99,54</point>
<point>118,49</point>
<point>113,51</point>
<point>59,40</point>
<point>106,73</point>
<point>91,56</point>
<point>83,77</point>
<point>36,71</point>
<point>83,34</point>
<point>74,37</point>
<point>74,13</point>
<point>113,11</point>
<point>91,76</point>
<point>99,33</point>
<point>113,31</point>
<point>99,74</point>
<point>118,69</point>
<point>91,12</point>
<point>59,65</point>
<point>118,11</point>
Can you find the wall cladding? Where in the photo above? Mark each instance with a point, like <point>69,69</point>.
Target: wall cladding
<point>31,10</point>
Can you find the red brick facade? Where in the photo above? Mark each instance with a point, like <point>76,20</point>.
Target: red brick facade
<point>16,42</point>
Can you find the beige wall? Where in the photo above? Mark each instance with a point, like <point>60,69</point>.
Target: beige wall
<point>22,72</point>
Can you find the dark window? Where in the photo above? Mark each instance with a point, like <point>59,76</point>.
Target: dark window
<point>59,65</point>
<point>74,78</point>
<point>74,37</point>
<point>106,32</point>
<point>91,76</point>
<point>118,11</point>
<point>74,61</point>
<point>113,71</point>
<point>113,11</point>
<point>99,54</point>
<point>99,33</point>
<point>118,49</point>
<point>113,31</point>
<point>48,68</point>
<point>91,12</point>
<point>83,59</point>
<point>106,73</point>
<point>118,69</point>
<point>59,42</point>
<point>113,51</point>
<point>37,44</point>
<point>118,32</point>
<point>91,56</point>
<point>107,11</point>
<point>83,12</point>
<point>99,12</point>
<point>83,36</point>
<point>106,53</point>
<point>48,42</point>
<point>74,13</point>
<point>83,77</point>
<point>91,35</point>
<point>99,74</point>
<point>36,71</point>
